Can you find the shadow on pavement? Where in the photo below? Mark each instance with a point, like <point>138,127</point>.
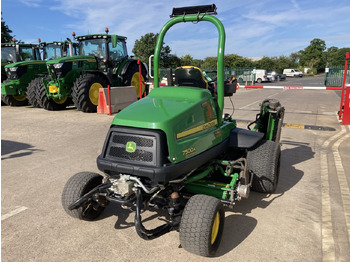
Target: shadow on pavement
<point>9,147</point>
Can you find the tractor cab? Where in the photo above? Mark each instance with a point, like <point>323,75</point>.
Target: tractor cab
<point>109,50</point>
<point>58,49</point>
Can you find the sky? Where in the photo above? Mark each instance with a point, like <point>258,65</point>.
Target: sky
<point>253,28</point>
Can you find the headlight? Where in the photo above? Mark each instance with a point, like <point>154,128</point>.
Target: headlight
<point>13,69</point>
<point>58,66</point>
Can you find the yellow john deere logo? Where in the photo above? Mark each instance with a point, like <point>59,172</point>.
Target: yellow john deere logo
<point>130,147</point>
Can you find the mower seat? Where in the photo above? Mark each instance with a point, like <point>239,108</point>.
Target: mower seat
<point>190,76</point>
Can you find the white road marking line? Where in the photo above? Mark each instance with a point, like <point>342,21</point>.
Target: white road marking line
<point>259,101</point>
<point>343,183</point>
<point>13,212</point>
<point>328,246</point>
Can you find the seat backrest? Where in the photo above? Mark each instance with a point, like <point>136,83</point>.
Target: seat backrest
<point>190,76</point>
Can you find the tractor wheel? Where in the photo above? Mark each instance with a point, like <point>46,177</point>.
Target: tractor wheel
<point>86,92</point>
<point>202,225</point>
<point>77,186</point>
<point>264,164</point>
<point>52,104</point>
<point>32,90</point>
<point>131,78</point>
<point>14,100</point>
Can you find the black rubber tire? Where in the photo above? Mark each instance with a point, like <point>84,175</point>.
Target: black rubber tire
<point>197,223</point>
<point>49,103</point>
<point>32,91</point>
<point>259,80</point>
<point>129,74</point>
<point>11,100</point>
<point>264,164</point>
<point>77,186</point>
<point>81,89</point>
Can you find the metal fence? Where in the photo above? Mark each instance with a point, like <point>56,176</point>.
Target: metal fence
<point>335,76</point>
<point>242,74</point>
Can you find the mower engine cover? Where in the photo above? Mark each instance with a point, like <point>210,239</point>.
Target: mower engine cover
<point>185,120</point>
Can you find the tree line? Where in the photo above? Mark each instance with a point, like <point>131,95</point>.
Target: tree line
<point>315,56</point>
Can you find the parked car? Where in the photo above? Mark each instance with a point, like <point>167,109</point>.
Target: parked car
<point>274,76</point>
<point>292,72</point>
<point>280,77</point>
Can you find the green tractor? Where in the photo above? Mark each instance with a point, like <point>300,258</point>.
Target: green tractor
<point>25,73</point>
<point>51,51</point>
<point>102,61</point>
<point>175,151</point>
<point>25,63</point>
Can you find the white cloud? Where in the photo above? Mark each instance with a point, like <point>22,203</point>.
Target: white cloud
<point>31,3</point>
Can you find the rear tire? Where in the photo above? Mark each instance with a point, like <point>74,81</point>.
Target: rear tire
<point>86,92</point>
<point>77,186</point>
<point>131,78</point>
<point>264,164</point>
<point>14,100</point>
<point>32,91</point>
<point>202,225</point>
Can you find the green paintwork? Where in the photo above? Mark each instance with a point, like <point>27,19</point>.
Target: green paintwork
<point>175,110</point>
<point>65,84</point>
<point>18,86</point>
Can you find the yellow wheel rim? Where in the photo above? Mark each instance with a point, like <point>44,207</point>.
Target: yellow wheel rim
<point>215,229</point>
<point>60,101</point>
<point>136,83</point>
<point>94,93</point>
<point>20,98</point>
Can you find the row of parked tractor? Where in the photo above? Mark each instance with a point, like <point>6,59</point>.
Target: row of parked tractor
<point>60,73</point>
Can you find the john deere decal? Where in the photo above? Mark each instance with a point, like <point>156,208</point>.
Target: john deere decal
<point>130,147</point>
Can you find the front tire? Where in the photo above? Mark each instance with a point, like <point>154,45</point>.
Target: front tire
<point>202,225</point>
<point>264,164</point>
<point>52,104</point>
<point>86,92</point>
<point>77,186</point>
<point>32,91</point>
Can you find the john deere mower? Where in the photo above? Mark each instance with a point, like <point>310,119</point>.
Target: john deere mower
<point>102,60</point>
<point>175,151</point>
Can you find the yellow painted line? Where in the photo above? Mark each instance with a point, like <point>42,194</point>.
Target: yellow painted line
<point>294,126</point>
<point>197,129</point>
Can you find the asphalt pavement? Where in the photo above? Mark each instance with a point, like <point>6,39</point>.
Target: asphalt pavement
<point>306,219</point>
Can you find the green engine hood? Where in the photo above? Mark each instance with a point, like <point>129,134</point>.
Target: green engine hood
<point>25,63</point>
<point>187,116</point>
<point>72,59</point>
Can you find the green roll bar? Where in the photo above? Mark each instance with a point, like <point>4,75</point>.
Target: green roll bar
<point>220,54</point>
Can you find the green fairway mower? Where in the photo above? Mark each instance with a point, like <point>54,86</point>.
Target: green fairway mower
<point>102,61</point>
<point>174,151</point>
<point>24,64</point>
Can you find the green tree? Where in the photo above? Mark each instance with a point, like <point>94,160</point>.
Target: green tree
<point>186,60</point>
<point>336,56</point>
<point>145,47</point>
<point>5,32</point>
<point>313,55</point>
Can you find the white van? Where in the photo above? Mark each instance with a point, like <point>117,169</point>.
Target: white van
<point>292,72</point>
<point>260,75</point>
